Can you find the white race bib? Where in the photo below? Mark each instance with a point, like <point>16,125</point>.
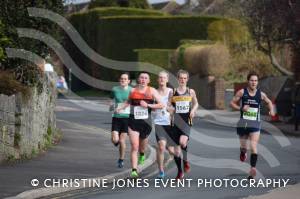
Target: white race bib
<point>140,113</point>
<point>251,114</point>
<point>123,111</point>
<point>182,107</point>
<point>161,112</point>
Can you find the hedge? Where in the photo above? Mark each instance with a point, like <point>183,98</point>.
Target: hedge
<point>158,57</point>
<point>116,37</point>
<point>135,32</point>
<point>203,60</point>
<point>106,3</point>
<point>231,32</point>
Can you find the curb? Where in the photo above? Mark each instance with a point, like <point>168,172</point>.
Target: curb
<point>42,192</point>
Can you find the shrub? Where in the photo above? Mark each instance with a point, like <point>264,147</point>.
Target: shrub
<point>203,60</point>
<point>9,85</point>
<point>231,32</point>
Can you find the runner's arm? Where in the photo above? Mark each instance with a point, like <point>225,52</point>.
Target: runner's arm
<point>236,99</point>
<point>126,104</point>
<point>195,104</point>
<point>157,98</point>
<point>269,103</point>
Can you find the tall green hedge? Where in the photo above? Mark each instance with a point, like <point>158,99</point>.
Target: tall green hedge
<point>116,37</point>
<point>119,35</point>
<point>108,3</point>
<point>158,57</point>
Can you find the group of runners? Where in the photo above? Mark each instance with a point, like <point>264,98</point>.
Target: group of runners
<point>172,111</point>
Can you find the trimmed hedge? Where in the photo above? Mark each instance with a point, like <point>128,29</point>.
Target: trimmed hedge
<point>120,35</point>
<point>84,24</point>
<point>203,60</point>
<point>118,11</point>
<point>116,37</point>
<point>158,57</point>
<point>231,32</point>
<point>108,3</point>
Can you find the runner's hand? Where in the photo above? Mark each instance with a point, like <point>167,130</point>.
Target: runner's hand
<point>170,109</point>
<point>246,108</point>
<point>192,114</point>
<point>143,104</point>
<point>271,113</point>
<point>118,110</point>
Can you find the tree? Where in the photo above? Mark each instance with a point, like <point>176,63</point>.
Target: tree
<point>4,41</point>
<point>273,22</point>
<point>13,15</point>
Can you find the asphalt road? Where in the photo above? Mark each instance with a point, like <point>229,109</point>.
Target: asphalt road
<point>214,154</point>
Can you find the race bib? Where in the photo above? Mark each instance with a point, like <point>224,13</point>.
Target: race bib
<point>140,113</point>
<point>251,114</point>
<point>124,111</point>
<point>161,112</point>
<point>182,107</point>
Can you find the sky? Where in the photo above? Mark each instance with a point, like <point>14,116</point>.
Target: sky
<point>150,1</point>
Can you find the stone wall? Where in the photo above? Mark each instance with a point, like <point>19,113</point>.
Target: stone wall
<point>24,121</point>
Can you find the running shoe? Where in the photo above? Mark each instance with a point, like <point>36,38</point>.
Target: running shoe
<point>243,156</point>
<point>186,167</point>
<point>120,163</point>
<point>134,174</point>
<point>141,159</point>
<point>161,175</point>
<point>180,175</point>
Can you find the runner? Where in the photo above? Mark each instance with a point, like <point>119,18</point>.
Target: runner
<point>141,100</point>
<point>162,121</point>
<point>186,104</point>
<point>119,127</point>
<point>248,126</point>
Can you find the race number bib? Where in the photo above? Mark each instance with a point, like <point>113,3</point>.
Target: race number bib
<point>124,111</point>
<point>251,114</point>
<point>182,107</point>
<point>161,112</point>
<point>140,113</point>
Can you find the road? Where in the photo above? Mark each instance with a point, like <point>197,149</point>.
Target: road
<point>214,154</point>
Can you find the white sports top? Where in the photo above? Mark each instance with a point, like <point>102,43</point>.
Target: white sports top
<point>162,116</point>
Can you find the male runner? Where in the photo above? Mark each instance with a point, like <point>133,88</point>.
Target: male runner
<point>141,99</point>
<point>162,121</point>
<point>186,104</point>
<point>119,127</point>
<point>249,125</point>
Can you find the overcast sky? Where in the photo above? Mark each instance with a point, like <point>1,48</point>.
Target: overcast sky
<point>150,1</point>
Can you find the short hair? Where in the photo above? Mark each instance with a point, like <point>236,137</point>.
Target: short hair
<point>252,73</point>
<point>125,73</point>
<point>164,72</point>
<point>183,72</point>
<point>144,72</point>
